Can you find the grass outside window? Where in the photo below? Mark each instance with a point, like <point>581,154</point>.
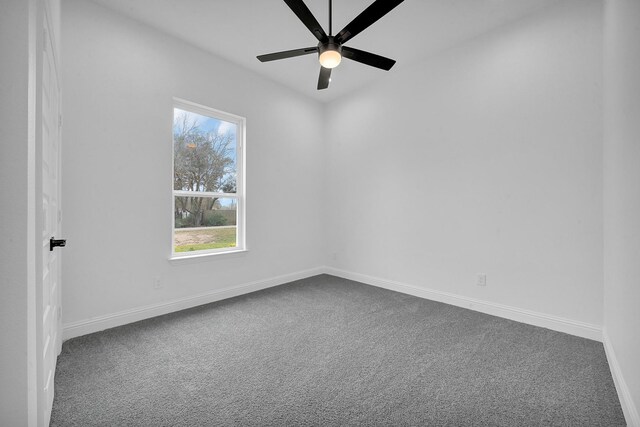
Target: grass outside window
<point>189,240</point>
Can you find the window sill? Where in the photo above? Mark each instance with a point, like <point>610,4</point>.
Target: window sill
<point>206,257</point>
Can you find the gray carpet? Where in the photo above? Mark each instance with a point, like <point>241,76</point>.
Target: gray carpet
<point>327,351</point>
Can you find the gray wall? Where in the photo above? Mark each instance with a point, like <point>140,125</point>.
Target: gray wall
<point>119,78</point>
<point>622,193</point>
<point>493,152</point>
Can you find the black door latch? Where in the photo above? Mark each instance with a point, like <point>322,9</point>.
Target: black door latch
<point>53,243</point>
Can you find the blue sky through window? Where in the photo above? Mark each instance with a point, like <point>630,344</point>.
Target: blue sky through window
<point>208,124</point>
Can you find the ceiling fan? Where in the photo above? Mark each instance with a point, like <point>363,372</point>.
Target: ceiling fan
<point>331,48</point>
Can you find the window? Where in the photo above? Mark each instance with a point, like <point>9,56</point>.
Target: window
<point>208,180</point>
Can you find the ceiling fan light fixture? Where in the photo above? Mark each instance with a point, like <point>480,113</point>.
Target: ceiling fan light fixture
<point>330,58</point>
<point>329,53</point>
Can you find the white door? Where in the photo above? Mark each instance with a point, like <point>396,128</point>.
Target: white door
<point>48,294</point>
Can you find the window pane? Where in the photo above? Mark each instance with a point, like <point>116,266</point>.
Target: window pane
<point>204,153</point>
<point>203,223</point>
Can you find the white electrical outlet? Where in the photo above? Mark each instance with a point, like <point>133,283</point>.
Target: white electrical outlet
<point>482,280</point>
<point>157,284</point>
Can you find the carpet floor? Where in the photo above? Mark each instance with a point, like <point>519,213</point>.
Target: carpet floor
<point>332,352</point>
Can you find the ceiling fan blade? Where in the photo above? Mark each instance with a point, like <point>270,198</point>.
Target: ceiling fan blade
<point>304,14</point>
<point>325,77</point>
<point>375,11</point>
<point>368,58</point>
<point>287,54</point>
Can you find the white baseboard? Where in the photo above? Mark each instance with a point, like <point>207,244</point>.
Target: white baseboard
<point>555,323</point>
<point>99,323</point>
<point>628,407</point>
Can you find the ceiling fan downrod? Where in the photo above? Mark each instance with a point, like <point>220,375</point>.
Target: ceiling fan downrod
<point>330,31</point>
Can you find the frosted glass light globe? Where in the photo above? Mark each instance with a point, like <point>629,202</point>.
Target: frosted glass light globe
<point>330,58</point>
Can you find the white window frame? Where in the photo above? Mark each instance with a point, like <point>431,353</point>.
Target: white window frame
<point>240,193</point>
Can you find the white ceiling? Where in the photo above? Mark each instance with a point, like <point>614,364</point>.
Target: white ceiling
<point>238,30</point>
